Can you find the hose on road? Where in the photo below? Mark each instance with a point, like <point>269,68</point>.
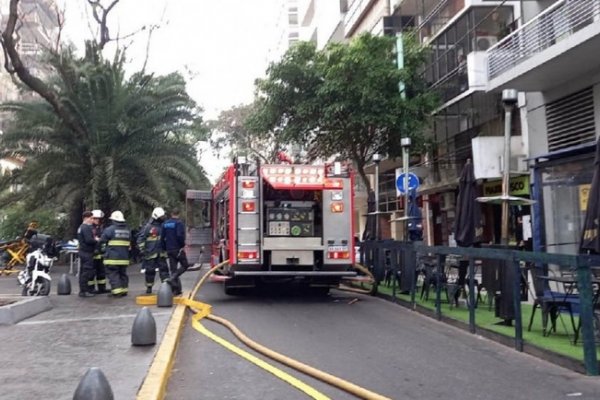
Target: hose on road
<point>306,369</point>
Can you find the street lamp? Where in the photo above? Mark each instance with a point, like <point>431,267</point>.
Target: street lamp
<point>405,143</point>
<point>509,99</point>
<point>377,159</point>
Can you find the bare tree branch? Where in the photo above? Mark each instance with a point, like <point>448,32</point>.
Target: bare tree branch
<point>102,19</point>
<point>14,65</point>
<point>60,22</point>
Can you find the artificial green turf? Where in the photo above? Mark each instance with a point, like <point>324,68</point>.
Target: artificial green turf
<point>560,342</point>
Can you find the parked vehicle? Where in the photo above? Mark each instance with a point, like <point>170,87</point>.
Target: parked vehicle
<point>279,223</point>
<point>35,278</point>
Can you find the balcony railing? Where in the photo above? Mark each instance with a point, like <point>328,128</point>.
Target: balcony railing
<point>355,11</point>
<point>556,23</point>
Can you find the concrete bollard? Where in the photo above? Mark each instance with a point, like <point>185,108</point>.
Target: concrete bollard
<point>143,332</point>
<point>93,386</point>
<point>164,297</point>
<point>64,285</point>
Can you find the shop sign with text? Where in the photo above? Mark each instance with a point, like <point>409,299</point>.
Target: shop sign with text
<point>519,186</point>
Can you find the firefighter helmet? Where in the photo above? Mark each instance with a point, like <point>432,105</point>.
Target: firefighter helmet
<point>97,214</point>
<point>117,216</point>
<point>158,212</point>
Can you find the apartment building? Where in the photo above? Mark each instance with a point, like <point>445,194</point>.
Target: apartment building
<point>551,58</point>
<point>458,33</point>
<point>321,21</point>
<point>38,31</point>
<point>287,28</point>
<point>469,122</point>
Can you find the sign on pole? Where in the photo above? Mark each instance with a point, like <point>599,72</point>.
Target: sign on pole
<point>413,183</point>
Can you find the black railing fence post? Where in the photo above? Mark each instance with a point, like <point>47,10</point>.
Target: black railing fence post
<point>441,259</point>
<point>410,257</point>
<point>471,294</point>
<point>394,270</point>
<point>586,313</point>
<point>516,265</point>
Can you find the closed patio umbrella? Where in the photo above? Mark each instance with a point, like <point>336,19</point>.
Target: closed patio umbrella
<point>590,240</point>
<point>415,224</point>
<point>467,225</point>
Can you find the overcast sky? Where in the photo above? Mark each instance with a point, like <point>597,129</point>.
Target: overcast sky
<point>221,46</point>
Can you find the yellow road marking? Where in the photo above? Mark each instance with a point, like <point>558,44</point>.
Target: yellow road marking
<point>310,391</point>
<point>155,383</point>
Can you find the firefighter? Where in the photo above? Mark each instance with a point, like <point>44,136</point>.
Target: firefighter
<point>173,237</point>
<point>99,278</point>
<point>150,245</point>
<point>115,243</point>
<point>87,245</point>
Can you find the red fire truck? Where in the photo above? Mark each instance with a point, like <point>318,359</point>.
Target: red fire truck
<point>283,222</point>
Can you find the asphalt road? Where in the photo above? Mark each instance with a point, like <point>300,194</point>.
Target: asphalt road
<point>373,343</point>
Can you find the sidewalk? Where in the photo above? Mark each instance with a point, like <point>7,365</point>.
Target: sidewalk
<point>45,356</point>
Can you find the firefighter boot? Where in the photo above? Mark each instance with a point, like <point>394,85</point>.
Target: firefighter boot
<point>102,289</point>
<point>148,289</point>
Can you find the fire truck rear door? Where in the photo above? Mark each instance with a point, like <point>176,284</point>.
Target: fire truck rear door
<point>198,235</point>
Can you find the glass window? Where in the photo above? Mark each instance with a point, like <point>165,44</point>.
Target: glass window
<point>564,188</point>
<point>492,24</point>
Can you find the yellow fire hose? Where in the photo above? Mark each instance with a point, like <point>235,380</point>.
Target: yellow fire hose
<point>306,369</point>
<point>202,310</point>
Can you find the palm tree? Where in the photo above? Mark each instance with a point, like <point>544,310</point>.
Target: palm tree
<point>135,148</point>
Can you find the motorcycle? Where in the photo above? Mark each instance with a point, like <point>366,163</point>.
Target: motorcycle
<point>35,278</point>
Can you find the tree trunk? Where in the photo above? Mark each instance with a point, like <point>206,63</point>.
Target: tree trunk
<point>360,168</point>
<point>74,220</point>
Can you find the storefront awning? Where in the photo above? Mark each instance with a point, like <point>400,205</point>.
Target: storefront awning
<point>568,152</point>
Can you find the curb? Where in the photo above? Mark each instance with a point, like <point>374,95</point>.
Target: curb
<point>155,383</point>
<point>22,308</point>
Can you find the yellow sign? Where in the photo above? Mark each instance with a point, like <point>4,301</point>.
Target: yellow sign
<point>584,195</point>
<point>519,186</point>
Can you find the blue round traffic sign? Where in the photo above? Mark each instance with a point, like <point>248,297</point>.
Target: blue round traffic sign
<point>413,182</point>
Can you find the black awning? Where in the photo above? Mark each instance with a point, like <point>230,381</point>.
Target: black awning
<point>562,153</point>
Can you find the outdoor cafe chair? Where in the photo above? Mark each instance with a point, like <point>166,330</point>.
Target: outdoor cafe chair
<point>430,273</point>
<point>551,303</point>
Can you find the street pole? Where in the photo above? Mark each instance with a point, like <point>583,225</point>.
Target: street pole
<point>405,143</point>
<point>377,159</point>
<point>509,99</point>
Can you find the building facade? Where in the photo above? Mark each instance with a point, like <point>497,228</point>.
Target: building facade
<point>38,32</point>
<point>287,28</point>
<point>548,59</point>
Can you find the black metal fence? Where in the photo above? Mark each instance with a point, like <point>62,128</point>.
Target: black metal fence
<point>501,274</point>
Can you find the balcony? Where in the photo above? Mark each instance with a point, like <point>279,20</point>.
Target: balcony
<point>551,49</point>
<point>356,11</point>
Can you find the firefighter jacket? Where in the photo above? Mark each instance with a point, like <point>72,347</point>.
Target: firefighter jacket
<point>149,241</point>
<point>97,233</point>
<point>86,238</point>
<point>173,234</point>
<point>115,243</point>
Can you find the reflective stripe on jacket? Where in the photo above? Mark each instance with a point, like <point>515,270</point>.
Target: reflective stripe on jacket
<point>115,241</point>
<point>149,241</point>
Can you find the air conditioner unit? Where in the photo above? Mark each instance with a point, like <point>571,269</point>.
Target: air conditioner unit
<point>447,201</point>
<point>483,43</point>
